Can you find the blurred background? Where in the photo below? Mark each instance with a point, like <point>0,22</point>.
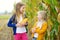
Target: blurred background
<point>7,8</point>
<point>6,11</point>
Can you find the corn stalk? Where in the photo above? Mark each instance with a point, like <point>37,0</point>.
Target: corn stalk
<point>52,19</point>
<point>31,10</point>
<point>32,6</point>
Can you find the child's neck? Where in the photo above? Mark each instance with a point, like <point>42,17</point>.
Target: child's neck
<point>40,20</point>
<point>21,14</point>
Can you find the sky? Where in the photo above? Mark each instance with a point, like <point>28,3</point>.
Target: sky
<point>7,5</point>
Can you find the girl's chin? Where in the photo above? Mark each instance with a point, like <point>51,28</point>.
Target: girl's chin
<point>22,11</point>
<point>39,19</point>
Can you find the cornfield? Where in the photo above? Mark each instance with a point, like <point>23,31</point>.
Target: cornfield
<point>52,8</point>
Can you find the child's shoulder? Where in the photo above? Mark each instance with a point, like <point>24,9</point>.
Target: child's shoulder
<point>44,22</point>
<point>12,17</point>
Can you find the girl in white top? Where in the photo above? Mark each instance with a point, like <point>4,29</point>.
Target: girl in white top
<point>20,28</point>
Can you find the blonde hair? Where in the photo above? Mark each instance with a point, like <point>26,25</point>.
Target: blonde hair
<point>43,13</point>
<point>18,6</point>
<point>17,10</point>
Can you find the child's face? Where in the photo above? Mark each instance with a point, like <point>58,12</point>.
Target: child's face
<point>22,9</point>
<point>40,16</point>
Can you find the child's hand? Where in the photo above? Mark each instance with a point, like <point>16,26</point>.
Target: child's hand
<point>18,25</point>
<point>23,24</point>
<point>33,30</point>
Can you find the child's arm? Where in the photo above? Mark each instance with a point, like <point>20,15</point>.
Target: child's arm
<point>10,23</point>
<point>43,29</point>
<point>33,28</point>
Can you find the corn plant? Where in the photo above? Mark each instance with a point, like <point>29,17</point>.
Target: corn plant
<point>53,18</point>
<point>32,6</point>
<point>31,10</point>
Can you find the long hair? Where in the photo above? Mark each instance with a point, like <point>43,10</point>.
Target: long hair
<point>43,14</point>
<point>18,6</point>
<point>17,9</point>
